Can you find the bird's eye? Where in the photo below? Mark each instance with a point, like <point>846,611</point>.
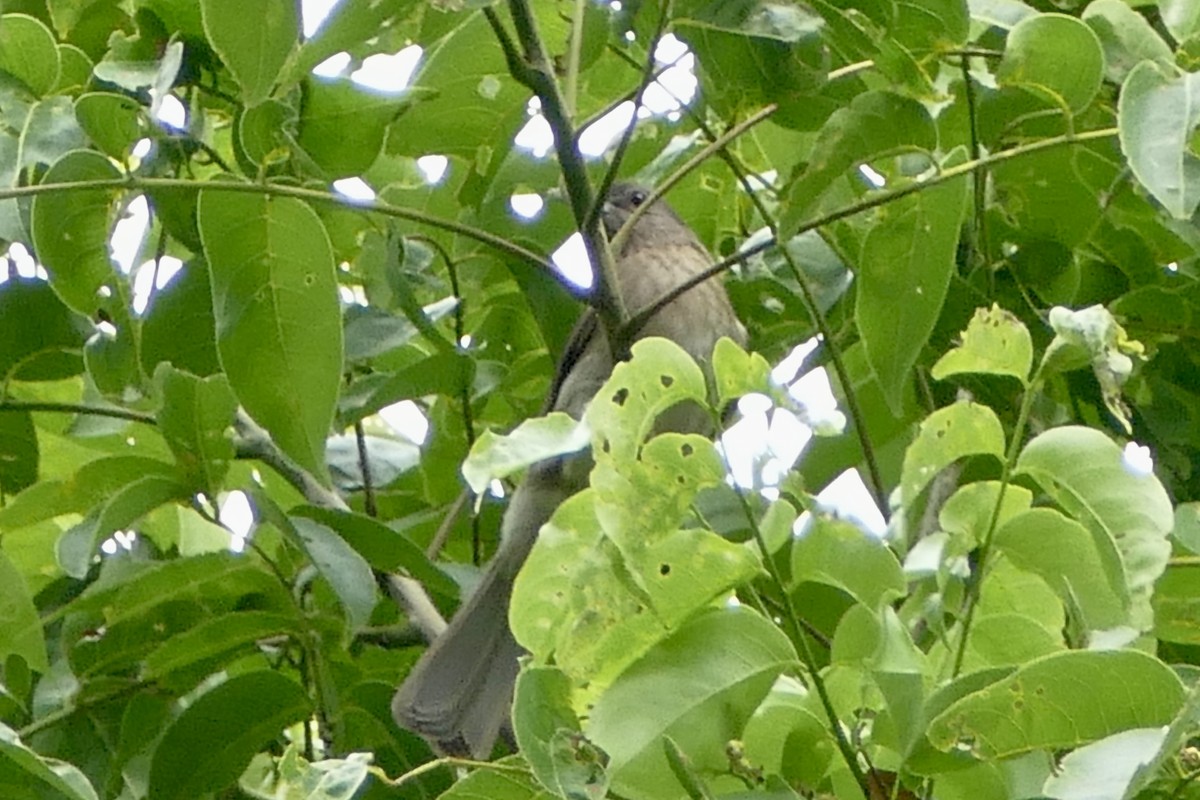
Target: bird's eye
<point>637,197</point>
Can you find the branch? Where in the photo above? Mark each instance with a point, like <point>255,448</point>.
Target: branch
<point>531,67</point>
<point>72,408</point>
<point>648,77</point>
<point>254,442</point>
<point>639,318</point>
<point>310,195</point>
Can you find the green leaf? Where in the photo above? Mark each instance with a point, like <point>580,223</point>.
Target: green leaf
<point>948,434</point>
<point>215,638</point>
<point>216,581</point>
<point>209,744</point>
<point>348,573</point>
<point>1126,36</point>
<point>18,451</point>
<point>1055,54</point>
<point>1105,769</point>
<point>275,304</point>
<point>904,272</point>
<point>36,776</point>
<point>29,52</point>
<point>441,373</point>
<point>50,132</point>
<point>1084,570</point>
<point>90,485</point>
<point>195,417</point>
<point>1177,605</point>
<point>122,508</point>
<point>738,372</point>
<point>256,51</point>
<point>548,733</point>
<point>1092,337</point>
<point>178,326</point>
<point>75,70</point>
<point>753,53</point>
<point>20,626</point>
<point>40,338</point>
<point>112,362</point>
<point>968,512</point>
<point>875,124</point>
<point>1181,17</point>
<point>703,682</point>
<point>349,27</point>
<point>372,332</point>
<point>510,781</point>
<point>290,775</point>
<point>343,126</point>
<point>1084,472</point>
<point>112,121</point>
<point>1157,116</point>
<point>71,231</point>
<point>786,737</point>
<point>534,440</point>
<point>1177,735</point>
<point>476,107</point>
<point>595,609</point>
<point>995,342</point>
<point>385,549</point>
<point>262,131</point>
<point>1187,526</point>
<point>1061,701</point>
<point>840,554</point>
<point>659,375</point>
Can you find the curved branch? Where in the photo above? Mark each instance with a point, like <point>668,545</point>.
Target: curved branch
<point>311,195</point>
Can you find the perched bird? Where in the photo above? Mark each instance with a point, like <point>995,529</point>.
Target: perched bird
<point>458,695</point>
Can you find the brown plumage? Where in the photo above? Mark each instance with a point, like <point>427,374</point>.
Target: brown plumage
<point>458,694</point>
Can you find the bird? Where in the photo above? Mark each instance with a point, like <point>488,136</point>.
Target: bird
<point>458,695</point>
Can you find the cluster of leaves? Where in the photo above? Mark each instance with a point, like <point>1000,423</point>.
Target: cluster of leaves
<point>1009,297</point>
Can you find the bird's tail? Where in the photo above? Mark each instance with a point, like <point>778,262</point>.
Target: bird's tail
<point>459,694</point>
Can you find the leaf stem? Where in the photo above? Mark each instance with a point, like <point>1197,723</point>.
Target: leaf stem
<point>796,634</point>
<point>974,587</point>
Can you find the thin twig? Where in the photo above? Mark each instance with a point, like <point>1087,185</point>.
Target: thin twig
<point>254,442</point>
<point>614,167</point>
<point>74,408</point>
<point>138,184</point>
<point>364,468</point>
<point>531,67</point>
<point>640,317</point>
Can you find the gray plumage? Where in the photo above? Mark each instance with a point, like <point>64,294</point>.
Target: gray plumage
<point>459,693</point>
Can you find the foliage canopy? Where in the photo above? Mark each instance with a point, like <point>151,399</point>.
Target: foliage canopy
<point>984,209</point>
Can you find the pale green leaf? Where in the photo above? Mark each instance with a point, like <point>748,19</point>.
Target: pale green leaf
<point>1062,700</point>
<point>1084,471</point>
<point>994,343</point>
<point>703,682</point>
<point>948,434</point>
<point>1157,116</point>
